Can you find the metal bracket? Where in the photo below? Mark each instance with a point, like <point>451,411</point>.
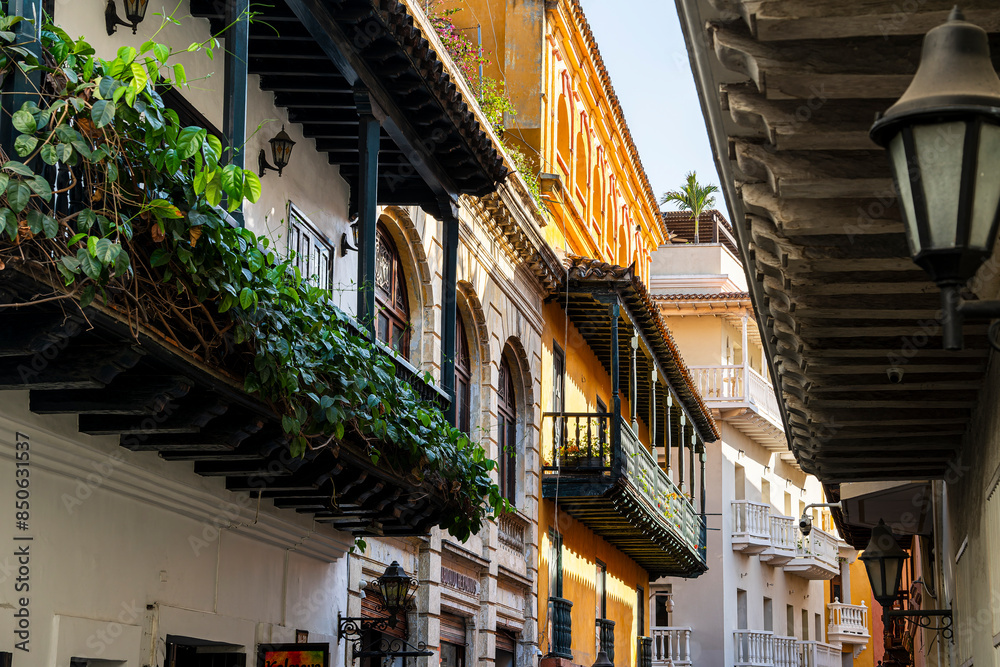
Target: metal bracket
<point>922,618</point>
<point>955,311</point>
<point>354,629</point>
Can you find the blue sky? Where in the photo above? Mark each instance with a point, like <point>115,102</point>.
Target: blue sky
<point>643,49</point>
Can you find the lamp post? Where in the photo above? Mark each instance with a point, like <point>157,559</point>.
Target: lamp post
<point>943,141</point>
<point>397,589</point>
<point>883,559</point>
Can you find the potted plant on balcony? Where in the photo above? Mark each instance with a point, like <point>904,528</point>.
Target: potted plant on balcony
<point>586,447</point>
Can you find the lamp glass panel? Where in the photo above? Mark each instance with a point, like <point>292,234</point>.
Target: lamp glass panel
<point>893,571</point>
<point>939,153</point>
<point>897,154</point>
<point>135,10</point>
<point>987,199</point>
<point>874,569</point>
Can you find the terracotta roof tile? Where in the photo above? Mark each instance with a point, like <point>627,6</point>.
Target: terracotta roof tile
<point>719,296</point>
<point>680,224</point>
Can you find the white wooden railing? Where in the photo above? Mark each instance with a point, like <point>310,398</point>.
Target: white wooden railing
<point>786,652</point>
<point>753,648</point>
<point>783,533</point>
<point>818,654</point>
<point>737,384</point>
<point>671,646</point>
<point>848,619</point>
<point>751,519</point>
<point>820,545</point>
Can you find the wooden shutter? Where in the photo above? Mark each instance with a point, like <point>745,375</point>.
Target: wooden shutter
<point>453,629</point>
<point>506,641</point>
<point>371,607</point>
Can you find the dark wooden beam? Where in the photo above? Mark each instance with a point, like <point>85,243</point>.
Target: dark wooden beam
<point>368,150</point>
<point>234,112</point>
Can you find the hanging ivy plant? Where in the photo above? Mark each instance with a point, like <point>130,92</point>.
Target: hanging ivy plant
<point>147,237</point>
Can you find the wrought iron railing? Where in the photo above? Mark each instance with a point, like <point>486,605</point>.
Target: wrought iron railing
<point>606,637</point>
<point>562,628</point>
<point>581,441</point>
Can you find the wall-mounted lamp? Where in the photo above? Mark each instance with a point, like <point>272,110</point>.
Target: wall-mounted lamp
<point>350,245</point>
<point>740,454</point>
<point>281,151</point>
<point>942,137</point>
<point>135,12</point>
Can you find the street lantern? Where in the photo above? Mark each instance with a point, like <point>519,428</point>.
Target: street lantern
<point>943,140</point>
<point>397,588</point>
<point>135,12</point>
<point>281,151</point>
<point>883,559</point>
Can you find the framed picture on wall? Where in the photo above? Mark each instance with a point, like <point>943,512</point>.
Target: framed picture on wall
<point>293,655</point>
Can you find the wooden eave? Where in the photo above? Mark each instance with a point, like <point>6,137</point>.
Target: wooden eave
<point>789,89</point>
<point>134,384</point>
<point>307,54</point>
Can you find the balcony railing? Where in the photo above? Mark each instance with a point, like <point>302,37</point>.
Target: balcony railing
<point>644,652</point>
<point>751,526</point>
<point>818,654</point>
<point>511,528</point>
<point>783,536</point>
<point>582,456</point>
<point>735,385</point>
<point>786,652</point>
<point>753,648</point>
<point>562,628</point>
<point>815,556</point>
<point>671,646</point>
<point>606,637</point>
<point>848,623</point>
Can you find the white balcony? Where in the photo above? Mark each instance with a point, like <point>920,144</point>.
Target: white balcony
<point>818,654</point>
<point>735,387</point>
<point>753,648</point>
<point>815,556</point>
<point>751,527</point>
<point>786,652</point>
<point>782,546</point>
<point>848,623</point>
<point>671,646</point>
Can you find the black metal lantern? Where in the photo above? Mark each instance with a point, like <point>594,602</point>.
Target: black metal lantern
<point>943,140</point>
<point>397,588</point>
<point>281,151</point>
<point>350,245</point>
<point>883,559</point>
<point>135,12</point>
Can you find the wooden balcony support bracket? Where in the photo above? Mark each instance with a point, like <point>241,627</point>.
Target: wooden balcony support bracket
<point>234,113</point>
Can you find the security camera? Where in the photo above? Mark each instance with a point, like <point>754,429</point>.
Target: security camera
<point>895,374</point>
<point>805,525</point>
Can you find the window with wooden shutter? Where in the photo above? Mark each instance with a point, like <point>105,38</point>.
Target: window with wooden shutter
<point>391,304</point>
<point>463,377</point>
<point>507,432</point>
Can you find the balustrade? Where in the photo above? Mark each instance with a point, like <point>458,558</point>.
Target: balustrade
<point>511,529</point>
<point>786,652</point>
<point>562,628</point>
<point>751,518</point>
<point>644,652</point>
<point>848,621</point>
<point>606,637</point>
<point>818,654</point>
<point>671,646</point>
<point>753,648</point>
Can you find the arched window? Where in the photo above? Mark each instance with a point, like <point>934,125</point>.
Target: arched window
<point>507,432</point>
<point>392,306</point>
<point>463,377</point>
<point>563,151</point>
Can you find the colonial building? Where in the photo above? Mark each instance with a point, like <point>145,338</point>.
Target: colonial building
<point>895,426</point>
<point>771,596</point>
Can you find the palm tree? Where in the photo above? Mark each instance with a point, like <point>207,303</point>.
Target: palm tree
<point>692,197</point>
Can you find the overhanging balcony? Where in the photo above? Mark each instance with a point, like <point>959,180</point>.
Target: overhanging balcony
<point>781,549</point>
<point>621,493</point>
<point>751,527</point>
<point>671,646</point>
<point>740,391</point>
<point>848,623</point>
<point>815,556</point>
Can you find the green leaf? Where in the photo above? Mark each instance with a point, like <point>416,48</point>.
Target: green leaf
<point>215,144</point>
<point>4,181</point>
<point>251,186</point>
<point>180,76</point>
<point>50,226</point>
<point>89,292</point>
<point>126,55</point>
<point>92,246</point>
<point>213,190</point>
<point>89,264</point>
<point>41,187</point>
<point>159,257</point>
<point>18,195</point>
<point>24,122</point>
<point>189,141</point>
<point>232,181</point>
<point>161,208</point>
<point>247,298</point>
<point>107,251</point>
<point>19,168</point>
<point>103,112</point>
<point>71,263</point>
<point>139,77</point>
<point>76,238</point>
<point>25,144</point>
<point>162,52</point>
<point>86,219</point>
<point>8,223</point>
<point>35,221</point>
<point>64,151</point>
<point>49,154</point>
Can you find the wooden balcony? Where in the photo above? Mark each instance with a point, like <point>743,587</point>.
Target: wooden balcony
<point>848,623</point>
<point>604,477</point>
<point>740,387</point>
<point>781,548</point>
<point>751,527</point>
<point>134,383</point>
<point>815,556</point>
